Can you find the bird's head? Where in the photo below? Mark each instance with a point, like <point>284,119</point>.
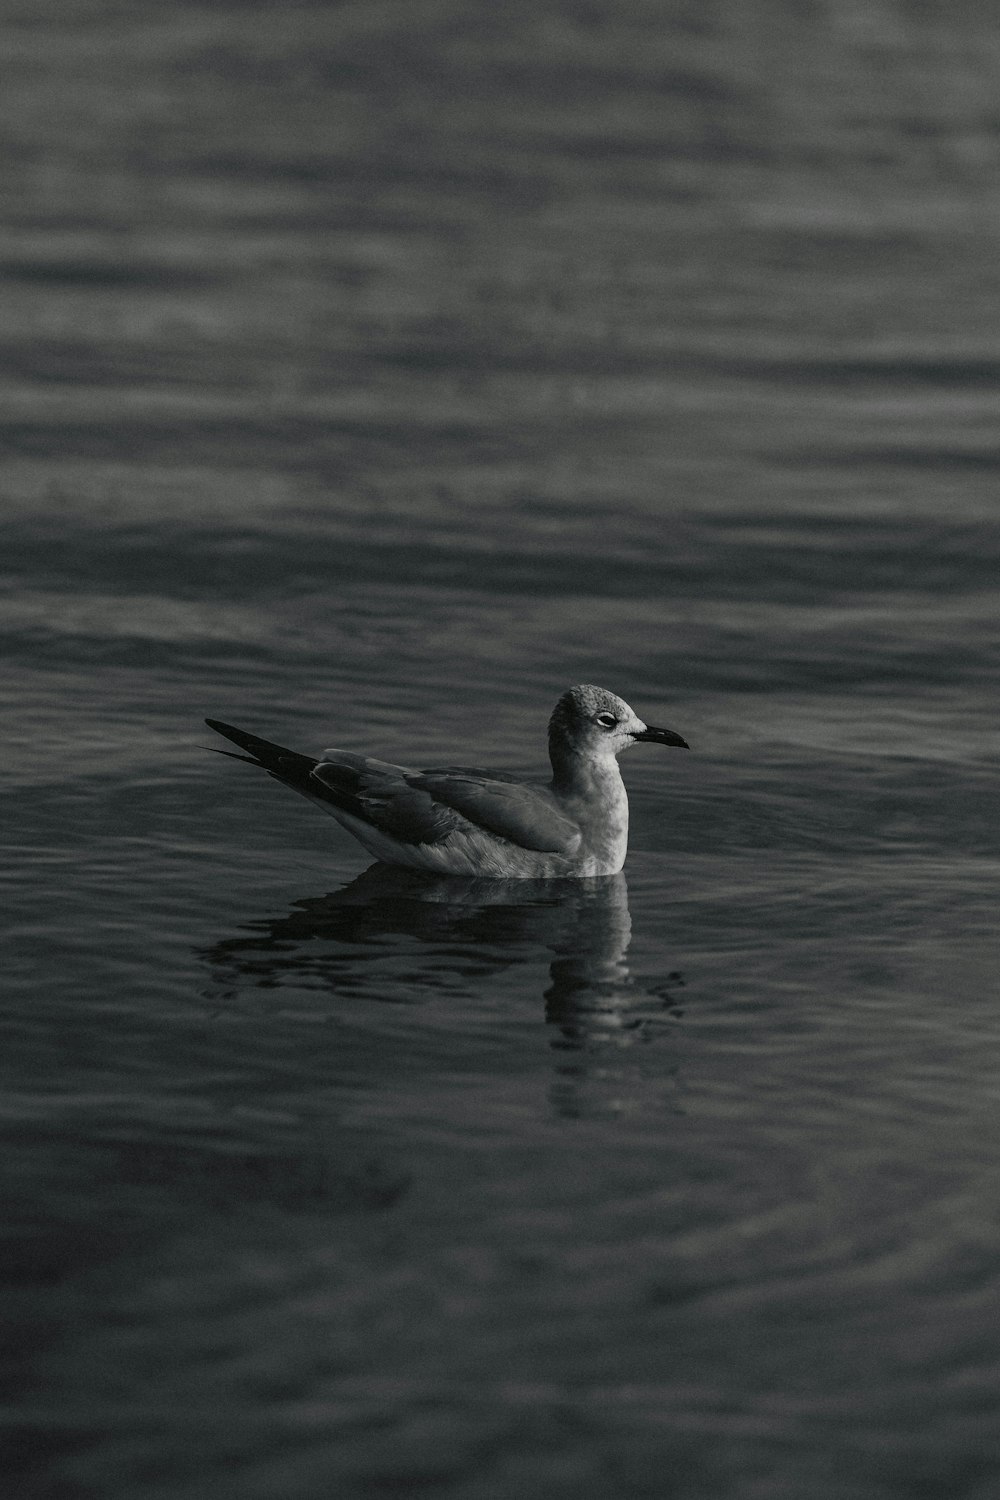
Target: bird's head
<point>594,723</point>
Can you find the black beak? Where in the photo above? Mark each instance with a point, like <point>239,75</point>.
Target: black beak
<point>662,737</point>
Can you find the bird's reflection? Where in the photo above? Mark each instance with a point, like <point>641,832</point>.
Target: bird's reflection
<point>474,928</point>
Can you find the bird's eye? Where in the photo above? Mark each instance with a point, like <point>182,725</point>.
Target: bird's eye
<point>606,721</point>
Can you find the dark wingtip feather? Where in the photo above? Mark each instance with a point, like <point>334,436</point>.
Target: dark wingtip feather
<point>231,755</point>
<point>287,766</point>
<point>229,730</point>
<point>266,751</point>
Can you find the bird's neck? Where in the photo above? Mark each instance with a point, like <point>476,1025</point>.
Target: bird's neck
<point>582,775</point>
<point>593,793</point>
<point>585,783</point>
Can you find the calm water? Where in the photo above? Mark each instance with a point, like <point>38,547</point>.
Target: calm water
<point>370,374</point>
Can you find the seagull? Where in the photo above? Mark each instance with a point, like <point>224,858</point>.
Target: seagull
<point>463,820</point>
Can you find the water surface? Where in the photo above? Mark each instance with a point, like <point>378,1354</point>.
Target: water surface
<point>371,374</point>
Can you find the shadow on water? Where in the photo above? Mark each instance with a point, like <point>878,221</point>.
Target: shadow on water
<point>428,1000</point>
<point>399,937</point>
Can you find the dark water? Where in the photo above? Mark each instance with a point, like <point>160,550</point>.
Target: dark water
<point>371,373</point>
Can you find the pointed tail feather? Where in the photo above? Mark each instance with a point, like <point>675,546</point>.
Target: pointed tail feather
<point>286,766</point>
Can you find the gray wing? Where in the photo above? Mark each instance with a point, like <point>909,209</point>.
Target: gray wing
<point>525,815</point>
<point>424,807</point>
<point>381,794</point>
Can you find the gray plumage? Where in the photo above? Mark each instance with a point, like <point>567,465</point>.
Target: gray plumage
<point>465,820</point>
